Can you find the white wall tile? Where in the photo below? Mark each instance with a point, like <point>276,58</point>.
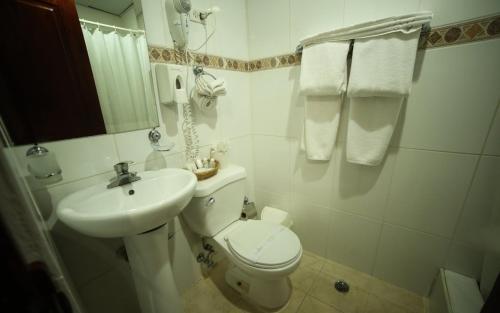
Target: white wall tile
<point>492,146</point>
<point>272,163</point>
<point>272,106</point>
<point>275,200</point>
<point>79,157</point>
<point>233,109</point>
<point>268,28</point>
<point>312,181</point>
<point>409,259</point>
<point>451,11</point>
<point>309,18</point>
<point>352,240</point>
<point>428,190</point>
<point>241,153</point>
<point>98,298</point>
<point>230,38</point>
<point>465,259</point>
<point>483,198</point>
<point>362,189</point>
<point>310,223</point>
<point>359,11</point>
<point>453,99</point>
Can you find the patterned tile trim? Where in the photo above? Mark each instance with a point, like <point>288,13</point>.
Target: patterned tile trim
<point>464,32</point>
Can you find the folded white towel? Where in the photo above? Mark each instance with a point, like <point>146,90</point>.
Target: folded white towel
<point>381,77</point>
<point>323,68</point>
<point>323,80</point>
<point>322,115</point>
<point>383,66</point>
<point>371,123</point>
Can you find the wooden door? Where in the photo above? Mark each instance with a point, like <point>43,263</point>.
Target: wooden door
<point>46,81</point>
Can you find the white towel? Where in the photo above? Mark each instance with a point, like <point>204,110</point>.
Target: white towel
<point>383,66</point>
<point>322,82</point>
<point>322,115</point>
<point>371,124</point>
<point>323,69</point>
<point>381,77</point>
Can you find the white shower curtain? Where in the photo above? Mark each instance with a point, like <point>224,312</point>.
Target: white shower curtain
<point>121,69</point>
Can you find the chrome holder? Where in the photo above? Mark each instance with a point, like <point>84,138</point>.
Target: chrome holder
<point>154,138</point>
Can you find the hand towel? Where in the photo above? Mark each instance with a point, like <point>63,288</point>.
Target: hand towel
<point>322,116</point>
<point>380,79</point>
<point>322,82</point>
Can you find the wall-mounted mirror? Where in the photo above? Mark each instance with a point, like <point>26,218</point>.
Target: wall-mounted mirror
<point>81,69</point>
<point>116,44</point>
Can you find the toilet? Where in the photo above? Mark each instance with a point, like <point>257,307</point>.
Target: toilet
<point>262,253</point>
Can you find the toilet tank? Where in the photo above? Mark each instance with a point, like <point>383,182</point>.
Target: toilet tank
<point>217,201</point>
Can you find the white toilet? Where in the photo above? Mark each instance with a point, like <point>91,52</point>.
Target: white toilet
<point>262,253</point>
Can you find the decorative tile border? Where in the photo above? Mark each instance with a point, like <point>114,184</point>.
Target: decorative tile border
<point>464,32</point>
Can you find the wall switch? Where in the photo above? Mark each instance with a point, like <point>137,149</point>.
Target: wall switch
<point>194,16</point>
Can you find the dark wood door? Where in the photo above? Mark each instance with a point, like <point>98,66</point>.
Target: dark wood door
<point>47,85</point>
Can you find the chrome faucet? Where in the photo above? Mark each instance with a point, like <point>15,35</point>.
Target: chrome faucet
<point>123,176</point>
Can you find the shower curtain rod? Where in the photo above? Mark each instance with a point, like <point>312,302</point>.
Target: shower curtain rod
<point>84,21</point>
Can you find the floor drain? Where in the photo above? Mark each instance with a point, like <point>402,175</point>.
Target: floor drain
<point>341,286</point>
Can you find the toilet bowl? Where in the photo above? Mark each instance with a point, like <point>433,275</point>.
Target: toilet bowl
<point>262,254</point>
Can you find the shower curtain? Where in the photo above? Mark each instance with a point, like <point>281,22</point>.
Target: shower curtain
<point>121,69</point>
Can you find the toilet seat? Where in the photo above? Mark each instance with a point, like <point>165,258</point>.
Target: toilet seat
<point>263,244</point>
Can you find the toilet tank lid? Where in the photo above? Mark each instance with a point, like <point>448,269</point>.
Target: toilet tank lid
<point>226,175</point>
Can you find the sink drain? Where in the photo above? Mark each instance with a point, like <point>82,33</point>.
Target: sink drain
<point>341,286</point>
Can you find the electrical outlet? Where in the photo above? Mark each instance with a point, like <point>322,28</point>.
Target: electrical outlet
<point>194,16</point>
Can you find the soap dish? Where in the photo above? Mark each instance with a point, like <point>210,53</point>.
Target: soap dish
<point>204,173</point>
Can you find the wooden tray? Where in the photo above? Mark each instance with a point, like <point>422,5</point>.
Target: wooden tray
<point>209,173</point>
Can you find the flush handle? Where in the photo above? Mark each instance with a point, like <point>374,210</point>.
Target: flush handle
<point>210,201</point>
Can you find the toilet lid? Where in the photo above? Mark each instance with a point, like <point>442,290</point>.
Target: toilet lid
<point>263,244</point>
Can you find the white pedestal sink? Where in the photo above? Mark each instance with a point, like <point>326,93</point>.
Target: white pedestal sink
<point>137,212</point>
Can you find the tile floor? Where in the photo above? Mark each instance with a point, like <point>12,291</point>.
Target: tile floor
<point>313,292</point>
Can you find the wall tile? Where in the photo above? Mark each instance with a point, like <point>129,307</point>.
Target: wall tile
<point>268,28</point>
<point>78,158</point>
<point>483,198</point>
<point>308,18</point>
<point>443,99</point>
<point>231,27</point>
<point>450,11</point>
<point>428,190</point>
<point>312,181</point>
<point>310,223</point>
<point>465,259</point>
<point>241,153</point>
<point>352,240</point>
<point>362,189</point>
<point>272,163</point>
<point>358,11</point>
<point>275,200</point>
<point>409,259</point>
<point>492,146</point>
<point>97,297</point>
<point>233,109</point>
<point>271,102</point>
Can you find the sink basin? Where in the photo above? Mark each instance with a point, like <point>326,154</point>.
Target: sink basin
<point>129,209</point>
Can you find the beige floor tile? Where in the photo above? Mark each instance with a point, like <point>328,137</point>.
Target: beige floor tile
<point>324,290</point>
<point>399,296</point>
<point>312,305</point>
<point>296,299</point>
<point>350,275</point>
<point>311,261</point>
<point>304,278</point>
<point>374,304</point>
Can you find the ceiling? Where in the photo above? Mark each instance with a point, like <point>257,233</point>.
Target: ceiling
<point>115,7</point>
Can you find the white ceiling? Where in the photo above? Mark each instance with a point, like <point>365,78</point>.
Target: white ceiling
<point>116,7</point>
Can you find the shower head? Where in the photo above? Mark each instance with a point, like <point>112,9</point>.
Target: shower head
<point>182,6</point>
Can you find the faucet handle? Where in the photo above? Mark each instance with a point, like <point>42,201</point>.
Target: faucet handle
<point>122,167</point>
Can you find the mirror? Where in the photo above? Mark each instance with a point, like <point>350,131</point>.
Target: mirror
<point>114,35</point>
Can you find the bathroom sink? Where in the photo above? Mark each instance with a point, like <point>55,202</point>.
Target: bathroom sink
<point>130,209</point>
